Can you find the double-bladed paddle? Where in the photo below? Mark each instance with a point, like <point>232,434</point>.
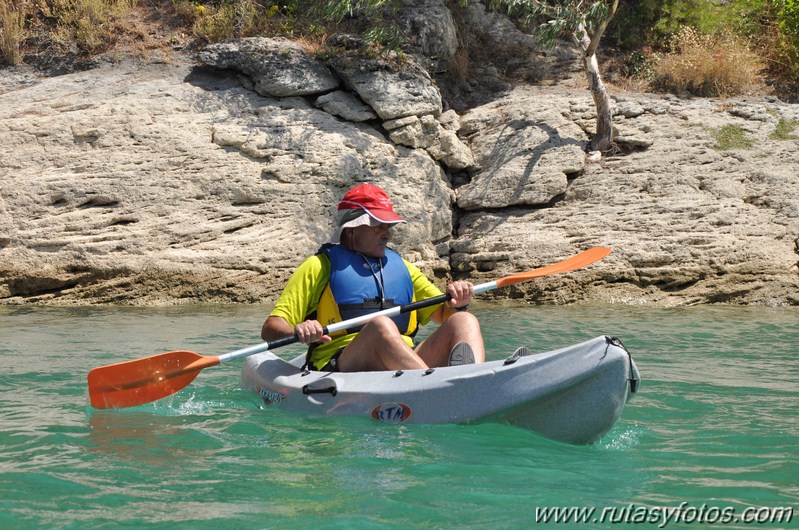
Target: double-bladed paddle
<point>133,383</point>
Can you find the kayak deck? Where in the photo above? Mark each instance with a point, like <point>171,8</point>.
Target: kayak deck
<point>574,394</point>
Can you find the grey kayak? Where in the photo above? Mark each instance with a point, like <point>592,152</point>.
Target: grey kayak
<point>574,394</point>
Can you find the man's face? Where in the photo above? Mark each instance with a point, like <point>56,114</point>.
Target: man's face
<point>370,240</point>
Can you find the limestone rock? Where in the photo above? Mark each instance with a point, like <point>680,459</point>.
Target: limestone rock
<point>429,30</point>
<point>165,184</point>
<point>525,150</point>
<point>449,149</point>
<point>413,131</point>
<point>401,90</point>
<point>688,223</point>
<point>345,105</point>
<point>135,186</point>
<point>393,91</point>
<point>495,55</point>
<point>278,67</point>
<point>431,134</point>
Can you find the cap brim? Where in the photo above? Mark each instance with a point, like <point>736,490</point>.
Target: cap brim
<point>385,216</point>
<point>366,218</point>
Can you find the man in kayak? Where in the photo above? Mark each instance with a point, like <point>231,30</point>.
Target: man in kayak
<point>359,274</point>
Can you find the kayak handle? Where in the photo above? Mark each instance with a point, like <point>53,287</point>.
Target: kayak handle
<point>331,389</point>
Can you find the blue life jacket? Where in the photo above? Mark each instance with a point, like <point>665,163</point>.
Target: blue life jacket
<point>360,284</point>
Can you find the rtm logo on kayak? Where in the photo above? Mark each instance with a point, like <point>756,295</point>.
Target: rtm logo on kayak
<point>391,412</point>
<point>270,397</point>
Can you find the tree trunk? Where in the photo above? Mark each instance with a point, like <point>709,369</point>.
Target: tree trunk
<point>603,138</point>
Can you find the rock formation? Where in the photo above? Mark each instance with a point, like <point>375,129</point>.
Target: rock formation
<point>210,180</point>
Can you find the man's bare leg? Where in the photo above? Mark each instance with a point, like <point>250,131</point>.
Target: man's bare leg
<point>460,327</point>
<point>379,346</point>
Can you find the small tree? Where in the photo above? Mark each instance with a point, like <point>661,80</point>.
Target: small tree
<point>586,22</point>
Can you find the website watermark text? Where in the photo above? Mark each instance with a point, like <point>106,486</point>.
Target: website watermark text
<point>662,516</point>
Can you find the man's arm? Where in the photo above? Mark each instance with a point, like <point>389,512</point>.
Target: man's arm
<point>275,328</point>
<point>308,332</point>
<point>461,294</point>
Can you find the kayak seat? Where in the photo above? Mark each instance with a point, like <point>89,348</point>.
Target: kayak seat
<point>460,354</point>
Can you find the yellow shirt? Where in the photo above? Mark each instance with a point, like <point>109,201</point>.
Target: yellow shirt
<point>301,295</point>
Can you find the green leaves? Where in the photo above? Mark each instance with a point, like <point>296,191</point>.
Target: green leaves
<point>338,10</point>
<point>557,17</point>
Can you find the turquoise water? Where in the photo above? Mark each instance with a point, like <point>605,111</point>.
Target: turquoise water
<point>711,435</point>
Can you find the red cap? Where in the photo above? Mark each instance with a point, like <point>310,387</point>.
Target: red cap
<point>373,201</point>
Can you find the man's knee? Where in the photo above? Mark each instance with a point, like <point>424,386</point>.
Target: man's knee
<point>463,319</point>
<point>382,326</point>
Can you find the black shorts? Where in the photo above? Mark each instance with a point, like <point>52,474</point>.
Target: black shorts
<point>332,364</point>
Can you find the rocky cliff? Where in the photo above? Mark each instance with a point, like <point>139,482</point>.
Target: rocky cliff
<point>208,179</point>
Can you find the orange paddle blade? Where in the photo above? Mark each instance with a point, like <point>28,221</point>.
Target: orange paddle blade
<point>133,383</point>
<point>575,262</point>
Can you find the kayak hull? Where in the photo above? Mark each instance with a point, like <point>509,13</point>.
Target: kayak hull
<point>574,394</point>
